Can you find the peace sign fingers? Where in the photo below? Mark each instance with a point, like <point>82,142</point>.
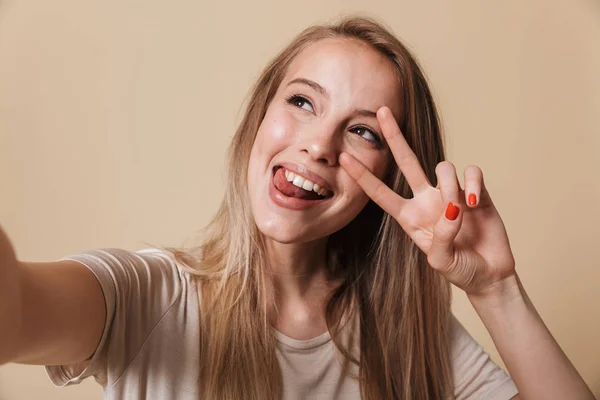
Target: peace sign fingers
<point>378,191</point>
<point>405,158</point>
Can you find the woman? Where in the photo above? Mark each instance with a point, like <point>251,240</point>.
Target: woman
<point>326,272</point>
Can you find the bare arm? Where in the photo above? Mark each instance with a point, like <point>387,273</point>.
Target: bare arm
<point>535,361</point>
<point>50,313</point>
<point>10,294</point>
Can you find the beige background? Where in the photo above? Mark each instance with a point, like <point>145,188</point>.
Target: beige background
<point>115,116</point>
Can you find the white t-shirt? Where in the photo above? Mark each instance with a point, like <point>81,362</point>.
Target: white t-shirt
<point>150,343</point>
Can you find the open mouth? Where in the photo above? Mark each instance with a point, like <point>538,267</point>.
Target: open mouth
<point>296,186</point>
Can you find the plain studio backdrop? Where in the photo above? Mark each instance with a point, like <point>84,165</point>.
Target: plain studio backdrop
<point>115,117</point>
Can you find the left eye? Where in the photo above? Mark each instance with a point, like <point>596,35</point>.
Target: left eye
<point>367,134</point>
<point>300,102</point>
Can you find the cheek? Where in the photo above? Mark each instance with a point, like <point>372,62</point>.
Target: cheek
<point>379,164</point>
<point>273,136</point>
<point>376,162</point>
<point>354,195</point>
<point>269,139</point>
<point>379,169</point>
<point>276,128</point>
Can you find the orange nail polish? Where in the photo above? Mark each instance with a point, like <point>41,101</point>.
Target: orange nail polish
<point>452,211</point>
<point>472,199</point>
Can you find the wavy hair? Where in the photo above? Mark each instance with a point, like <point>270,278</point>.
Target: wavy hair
<point>398,306</point>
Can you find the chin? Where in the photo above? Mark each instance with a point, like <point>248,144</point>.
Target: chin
<point>286,233</point>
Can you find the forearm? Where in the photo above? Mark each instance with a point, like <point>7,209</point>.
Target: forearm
<point>10,299</point>
<point>9,322</point>
<point>535,361</point>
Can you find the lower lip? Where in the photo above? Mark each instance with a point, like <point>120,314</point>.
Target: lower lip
<point>291,203</point>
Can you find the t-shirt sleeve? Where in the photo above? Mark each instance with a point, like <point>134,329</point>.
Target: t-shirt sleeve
<point>476,376</point>
<point>139,288</point>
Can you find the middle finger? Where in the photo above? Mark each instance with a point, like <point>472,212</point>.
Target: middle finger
<point>407,160</point>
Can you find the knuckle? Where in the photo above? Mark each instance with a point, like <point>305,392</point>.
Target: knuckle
<point>439,261</point>
<point>441,235</point>
<point>473,176</point>
<point>432,260</point>
<point>447,164</point>
<point>473,171</point>
<point>439,168</point>
<point>362,176</point>
<point>445,168</point>
<point>379,192</point>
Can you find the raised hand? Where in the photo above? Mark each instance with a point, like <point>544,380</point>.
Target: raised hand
<point>464,240</point>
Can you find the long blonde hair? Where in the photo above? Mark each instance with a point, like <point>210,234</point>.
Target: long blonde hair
<point>401,305</point>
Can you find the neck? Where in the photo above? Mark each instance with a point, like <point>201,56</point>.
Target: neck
<point>298,269</point>
<point>301,287</point>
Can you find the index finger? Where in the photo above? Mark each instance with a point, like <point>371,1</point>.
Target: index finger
<point>379,192</point>
<point>405,158</point>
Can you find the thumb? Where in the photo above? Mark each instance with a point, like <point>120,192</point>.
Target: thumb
<point>441,252</point>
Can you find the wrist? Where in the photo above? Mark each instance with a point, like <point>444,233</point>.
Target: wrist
<point>502,292</point>
<point>503,303</point>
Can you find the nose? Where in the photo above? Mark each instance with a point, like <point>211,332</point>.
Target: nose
<point>322,148</point>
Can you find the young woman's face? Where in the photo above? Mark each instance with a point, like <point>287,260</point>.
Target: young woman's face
<point>325,105</point>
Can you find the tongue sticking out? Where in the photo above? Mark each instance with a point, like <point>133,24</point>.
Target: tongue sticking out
<point>290,190</point>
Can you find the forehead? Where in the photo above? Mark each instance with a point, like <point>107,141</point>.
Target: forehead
<point>352,73</point>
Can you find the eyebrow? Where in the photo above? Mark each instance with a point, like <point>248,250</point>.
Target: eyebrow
<point>323,91</point>
<point>310,83</point>
<point>366,113</point>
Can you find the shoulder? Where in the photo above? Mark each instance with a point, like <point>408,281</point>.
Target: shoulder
<point>149,262</point>
<point>130,277</point>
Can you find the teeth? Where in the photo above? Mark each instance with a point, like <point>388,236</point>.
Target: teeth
<point>305,184</point>
<point>298,181</point>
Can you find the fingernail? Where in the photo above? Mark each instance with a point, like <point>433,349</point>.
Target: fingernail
<point>472,199</point>
<point>452,211</point>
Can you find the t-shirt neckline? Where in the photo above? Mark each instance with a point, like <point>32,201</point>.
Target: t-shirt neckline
<point>303,344</point>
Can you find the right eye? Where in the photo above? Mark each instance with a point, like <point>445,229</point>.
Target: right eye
<point>300,102</point>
